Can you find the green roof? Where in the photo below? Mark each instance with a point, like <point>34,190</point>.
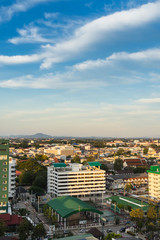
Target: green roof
<point>67,206</point>
<point>78,237</point>
<point>59,164</point>
<point>134,203</point>
<point>154,169</point>
<point>94,164</point>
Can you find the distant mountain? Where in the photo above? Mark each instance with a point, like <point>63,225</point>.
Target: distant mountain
<point>37,136</point>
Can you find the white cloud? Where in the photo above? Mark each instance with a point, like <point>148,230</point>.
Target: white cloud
<point>7,12</point>
<point>98,29</point>
<point>51,15</point>
<point>95,31</point>
<point>20,59</point>
<point>29,35</point>
<point>68,80</point>
<point>149,100</point>
<point>148,55</point>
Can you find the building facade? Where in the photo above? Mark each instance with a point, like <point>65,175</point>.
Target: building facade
<point>4,175</point>
<point>60,150</point>
<point>76,180</point>
<point>154,182</point>
<point>12,178</point>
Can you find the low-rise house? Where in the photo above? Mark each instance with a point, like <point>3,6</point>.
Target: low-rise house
<point>135,162</point>
<point>119,181</point>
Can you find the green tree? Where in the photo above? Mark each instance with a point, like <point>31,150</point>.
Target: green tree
<point>23,211</point>
<point>41,157</point>
<point>139,170</point>
<point>137,215</point>
<point>112,235</point>
<point>24,229</point>
<point>27,178</point>
<point>120,152</point>
<point>104,167</point>
<point>3,227</point>
<point>145,151</point>
<point>128,187</point>
<point>24,144</point>
<point>118,164</point>
<point>30,165</point>
<point>37,190</point>
<point>75,159</point>
<point>152,213</point>
<point>99,144</point>
<point>90,159</point>
<point>41,179</point>
<point>38,231</point>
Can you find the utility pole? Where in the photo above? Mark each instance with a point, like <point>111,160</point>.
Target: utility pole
<point>38,203</point>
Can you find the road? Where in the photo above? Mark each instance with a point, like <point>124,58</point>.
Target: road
<point>39,217</point>
<point>33,215</point>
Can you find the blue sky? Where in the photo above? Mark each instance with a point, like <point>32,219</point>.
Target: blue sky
<point>80,67</point>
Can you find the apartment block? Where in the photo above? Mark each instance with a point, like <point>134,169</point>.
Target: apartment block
<point>60,150</point>
<point>76,180</point>
<point>12,178</point>
<point>154,182</point>
<point>4,175</point>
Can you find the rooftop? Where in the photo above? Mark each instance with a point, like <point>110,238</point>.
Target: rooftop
<point>79,237</point>
<point>94,164</point>
<point>154,169</point>
<point>66,206</point>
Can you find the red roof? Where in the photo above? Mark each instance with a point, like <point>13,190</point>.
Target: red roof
<point>11,219</point>
<point>18,173</point>
<point>135,162</point>
<point>56,160</point>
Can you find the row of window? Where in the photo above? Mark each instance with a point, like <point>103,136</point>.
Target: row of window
<point>3,157</point>
<point>3,204</point>
<point>4,182</point>
<point>4,195</point>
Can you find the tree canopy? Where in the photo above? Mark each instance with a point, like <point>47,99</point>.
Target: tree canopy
<point>152,213</point>
<point>38,231</point>
<point>24,229</point>
<point>2,227</point>
<point>118,164</point>
<point>75,159</point>
<point>137,213</point>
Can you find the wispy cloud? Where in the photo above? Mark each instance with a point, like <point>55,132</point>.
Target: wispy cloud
<point>148,55</point>
<point>20,59</point>
<point>96,31</point>
<point>149,100</point>
<point>50,29</point>
<point>68,80</point>
<point>7,12</point>
<point>29,35</point>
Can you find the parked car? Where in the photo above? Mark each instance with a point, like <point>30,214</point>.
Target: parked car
<point>128,222</point>
<point>82,230</point>
<point>109,230</point>
<point>122,229</point>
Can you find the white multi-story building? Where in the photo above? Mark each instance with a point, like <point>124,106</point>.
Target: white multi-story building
<point>76,180</point>
<point>154,182</point>
<point>12,177</point>
<point>60,150</point>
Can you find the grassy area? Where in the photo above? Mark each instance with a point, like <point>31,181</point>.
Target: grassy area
<point>126,201</point>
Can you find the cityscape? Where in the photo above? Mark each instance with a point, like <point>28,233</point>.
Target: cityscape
<point>92,188</point>
<point>79,117</point>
